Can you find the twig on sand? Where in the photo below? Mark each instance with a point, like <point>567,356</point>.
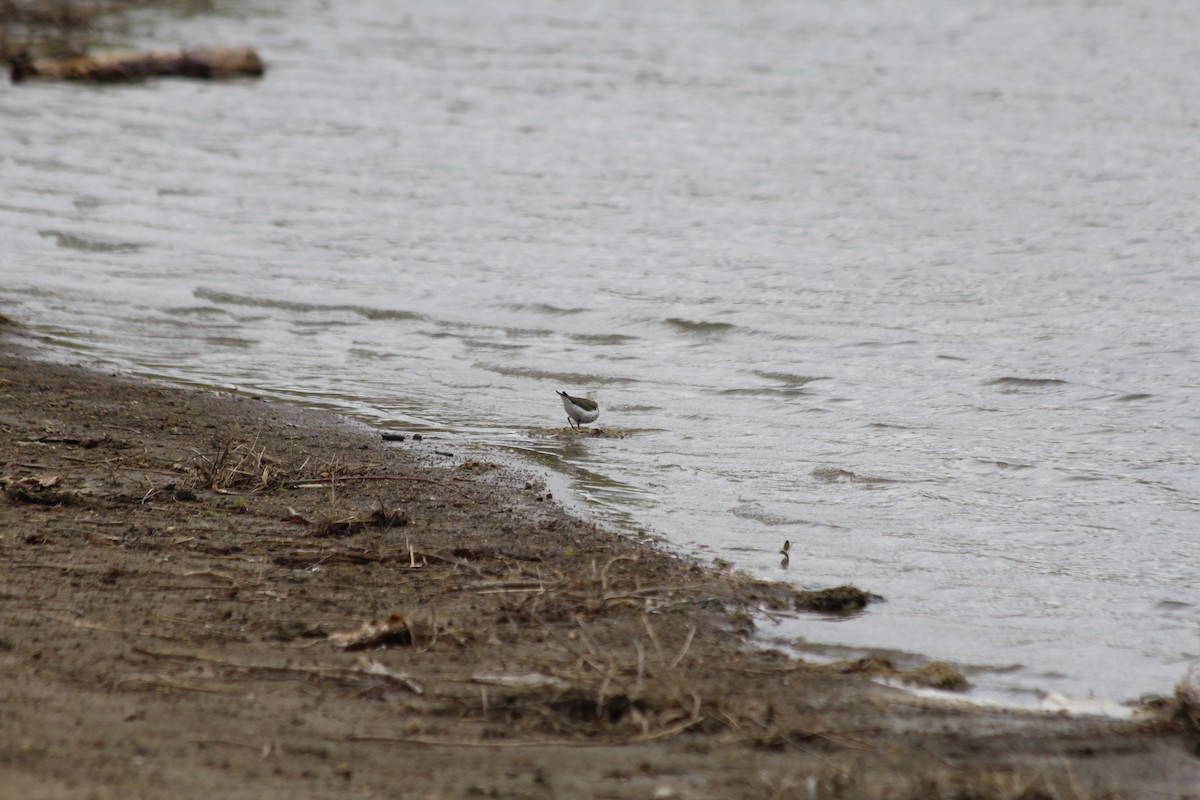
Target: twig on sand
<point>97,626</point>
<point>686,645</point>
<point>163,683</point>
<point>367,669</point>
<point>423,740</point>
<point>303,483</point>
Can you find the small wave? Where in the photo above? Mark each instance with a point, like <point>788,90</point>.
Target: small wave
<point>788,378</point>
<point>229,342</point>
<point>756,513</point>
<point>545,308</point>
<point>559,379</point>
<point>71,241</point>
<point>603,338</point>
<point>1173,605</point>
<point>766,391</point>
<point>1132,398</point>
<point>877,343</point>
<point>1002,464</point>
<point>561,432</point>
<point>291,305</point>
<point>692,326</point>
<point>368,354</point>
<point>1033,383</point>
<point>376,314</point>
<point>480,344</point>
<point>529,333</point>
<point>196,311</point>
<point>792,385</point>
<point>839,475</point>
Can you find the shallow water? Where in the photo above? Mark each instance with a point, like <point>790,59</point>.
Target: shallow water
<point>913,286</point>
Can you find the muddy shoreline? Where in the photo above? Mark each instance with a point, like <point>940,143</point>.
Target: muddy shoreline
<point>215,595</point>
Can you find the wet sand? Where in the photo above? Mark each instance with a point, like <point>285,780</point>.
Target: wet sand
<point>207,595</point>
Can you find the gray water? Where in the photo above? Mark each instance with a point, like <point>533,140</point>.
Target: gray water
<point>911,285</point>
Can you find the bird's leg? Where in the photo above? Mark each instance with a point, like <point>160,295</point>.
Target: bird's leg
<point>570,422</point>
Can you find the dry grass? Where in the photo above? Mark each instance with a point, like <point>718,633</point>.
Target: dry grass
<point>238,468</point>
<point>1187,700</point>
<point>349,524</point>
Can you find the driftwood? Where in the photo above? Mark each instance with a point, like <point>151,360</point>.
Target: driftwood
<point>217,62</point>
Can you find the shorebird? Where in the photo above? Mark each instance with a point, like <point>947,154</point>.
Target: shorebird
<point>580,410</point>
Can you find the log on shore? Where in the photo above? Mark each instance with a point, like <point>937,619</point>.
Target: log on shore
<point>214,62</point>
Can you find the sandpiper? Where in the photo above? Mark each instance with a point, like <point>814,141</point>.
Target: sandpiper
<point>580,410</point>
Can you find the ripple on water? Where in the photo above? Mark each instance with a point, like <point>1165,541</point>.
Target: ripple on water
<point>1016,384</point>
<point>87,244</point>
<point>1000,465</point>
<point>757,513</point>
<point>374,314</point>
<point>545,308</point>
<point>196,311</point>
<point>600,339</point>
<point>699,327</point>
<point>840,475</point>
<point>480,344</point>
<point>567,379</point>
<point>765,391</point>
<point>229,341</point>
<point>788,378</point>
